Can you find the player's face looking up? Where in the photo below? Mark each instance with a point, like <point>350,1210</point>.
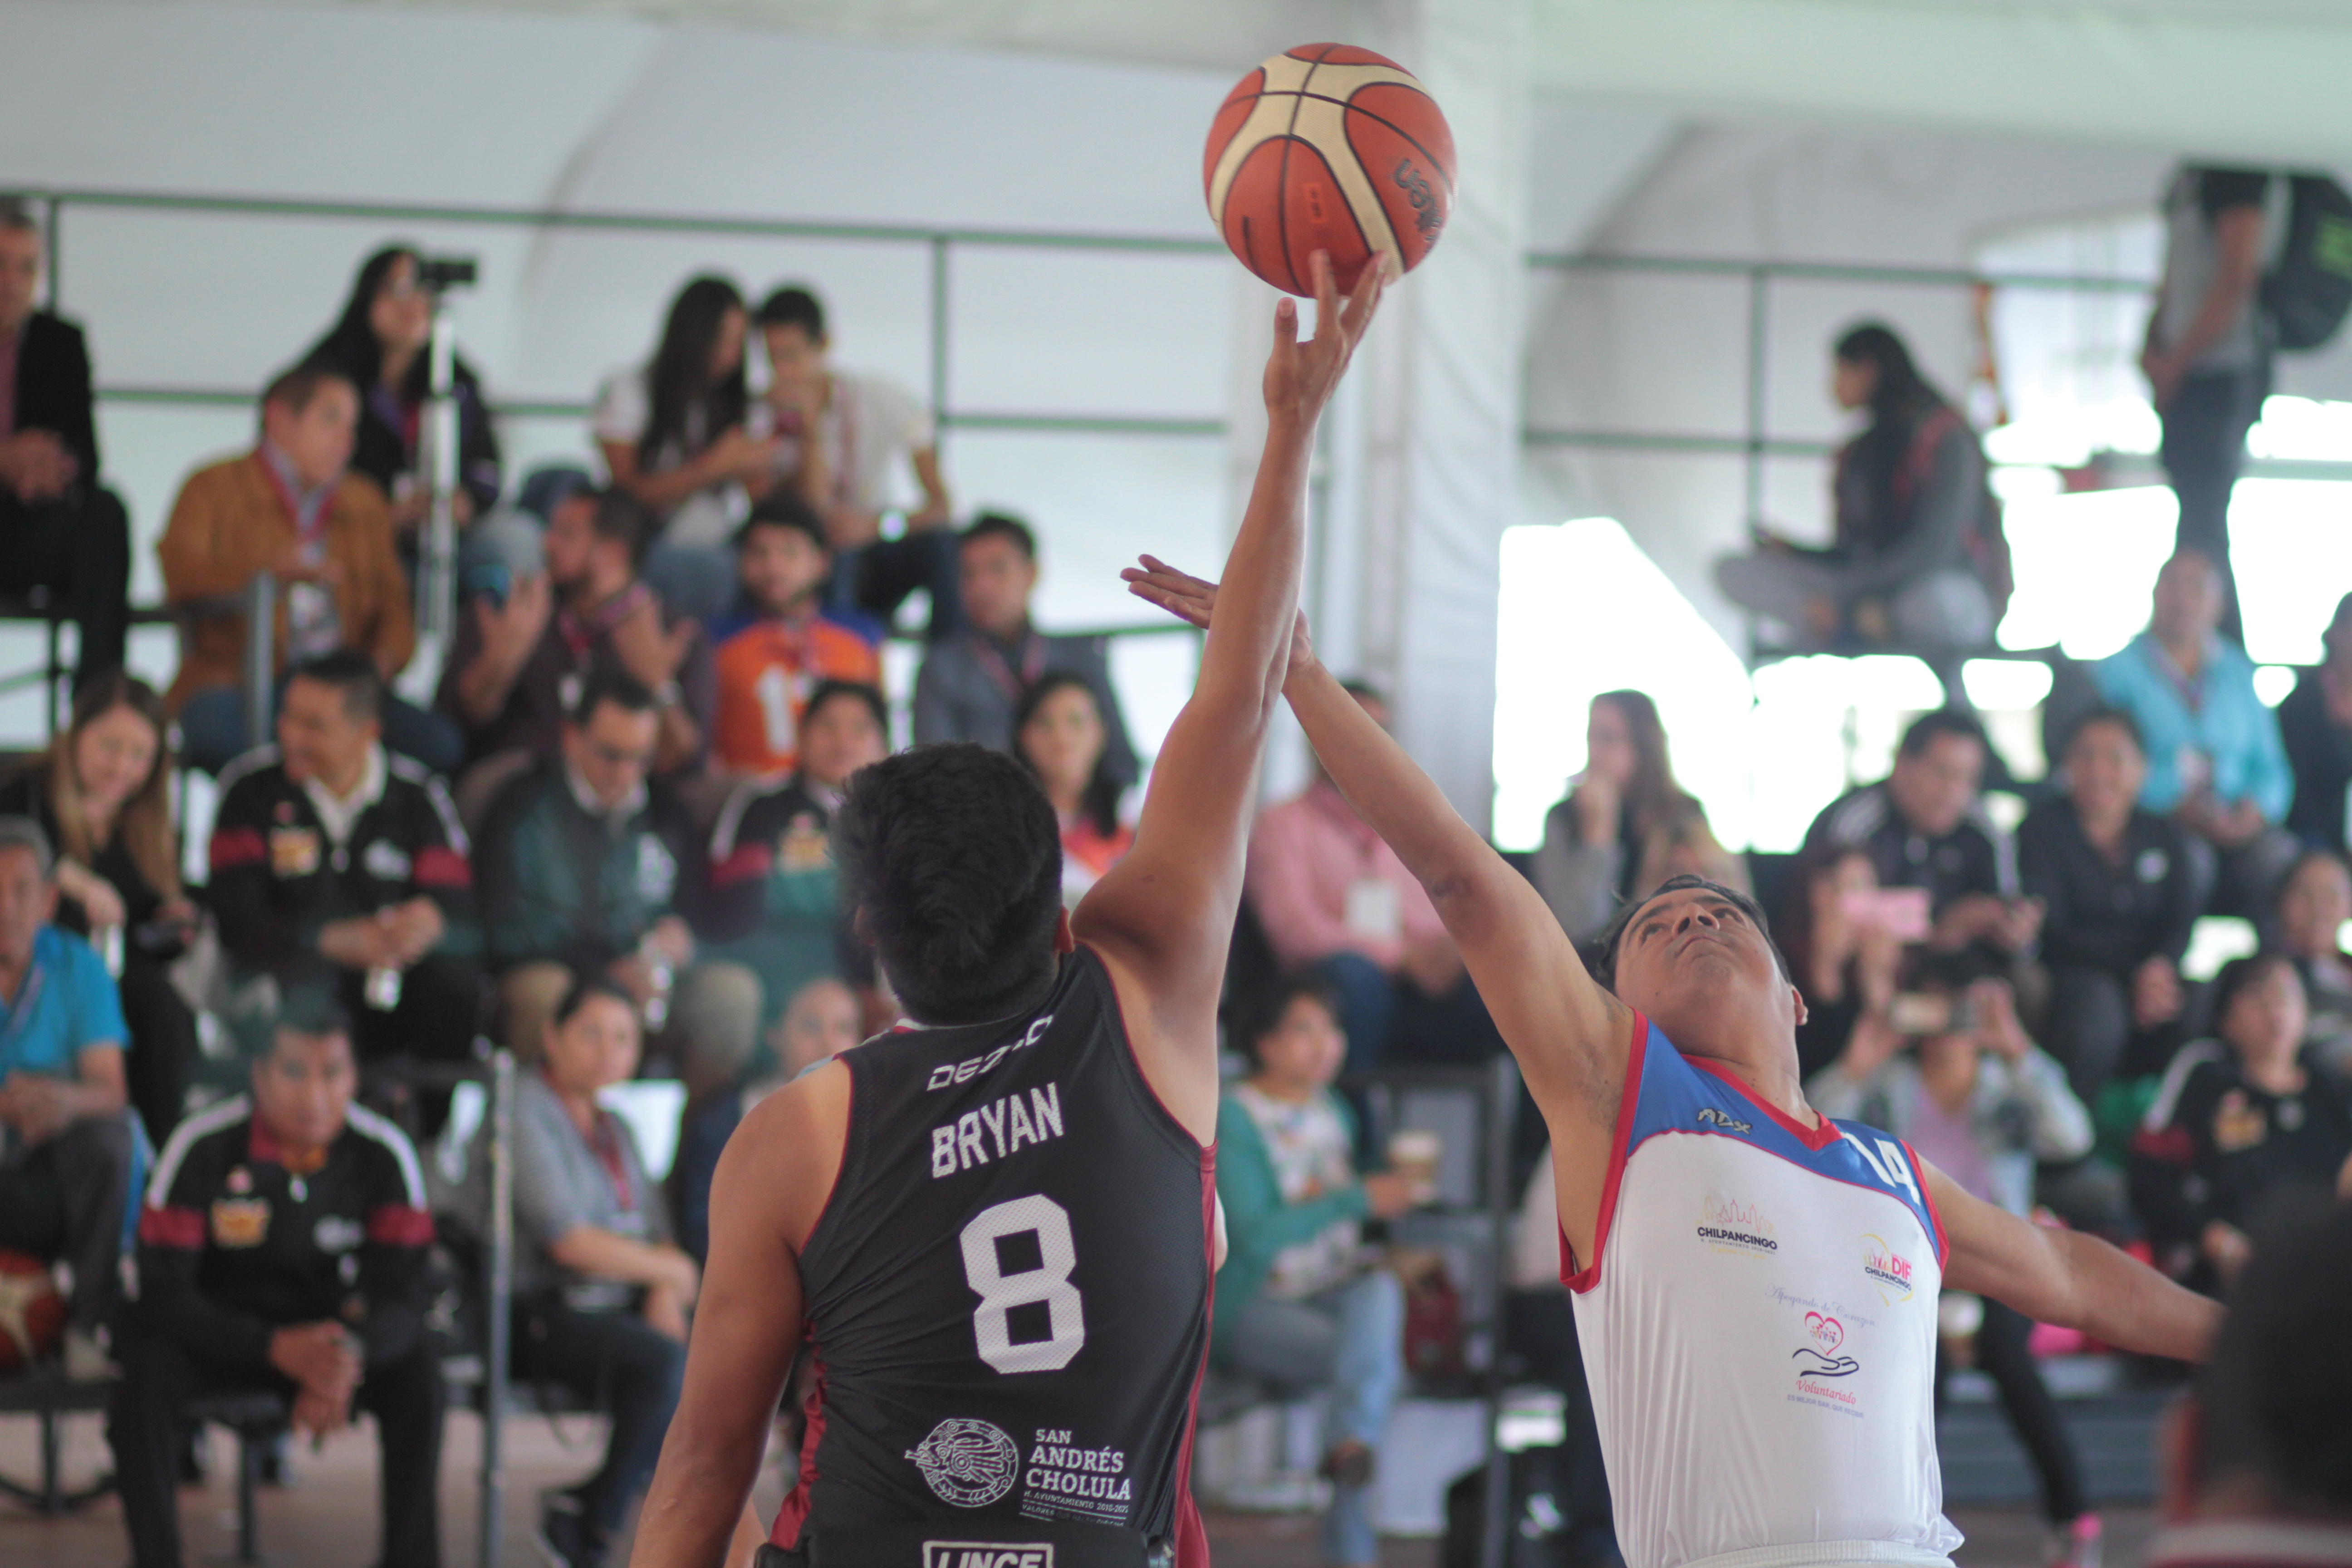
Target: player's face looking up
<point>1702,969</point>
<point>1934,786</point>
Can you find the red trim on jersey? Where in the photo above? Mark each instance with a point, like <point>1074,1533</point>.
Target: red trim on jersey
<point>1192,1535</point>
<point>1628,1099</point>
<point>1928,1196</point>
<point>786,1532</point>
<point>1118,1010</point>
<point>398,1224</point>
<point>749,862</point>
<point>238,847</point>
<point>1815,1138</point>
<point>181,1228</point>
<point>441,866</point>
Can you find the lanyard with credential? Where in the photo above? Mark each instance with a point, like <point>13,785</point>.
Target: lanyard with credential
<point>23,1009</point>
<point>992,661</point>
<point>310,531</point>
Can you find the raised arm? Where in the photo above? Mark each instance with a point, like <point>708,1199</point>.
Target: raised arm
<point>2067,1278</point>
<point>1572,1037</point>
<point>1162,918</point>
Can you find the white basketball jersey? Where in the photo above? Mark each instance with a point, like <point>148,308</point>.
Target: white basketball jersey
<point>1758,1329</point>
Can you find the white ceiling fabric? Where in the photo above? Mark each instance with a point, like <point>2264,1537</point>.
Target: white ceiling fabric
<point>2254,79</point>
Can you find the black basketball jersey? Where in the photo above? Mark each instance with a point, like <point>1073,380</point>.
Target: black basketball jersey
<point>1008,1291</point>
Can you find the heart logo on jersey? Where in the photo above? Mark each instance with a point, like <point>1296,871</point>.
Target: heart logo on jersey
<point>1827,1333</point>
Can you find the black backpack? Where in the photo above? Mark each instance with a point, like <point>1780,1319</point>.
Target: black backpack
<point>2309,292</point>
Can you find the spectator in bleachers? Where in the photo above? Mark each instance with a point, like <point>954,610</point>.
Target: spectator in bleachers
<point>1059,734</point>
<point>1924,826</point>
<point>970,683</point>
<point>672,435</point>
<point>2314,901</point>
<point>843,437</point>
<point>1623,820</point>
<point>1331,896</point>
<point>515,664</point>
<point>65,1143</point>
<point>2237,1124</point>
<point>822,1020</point>
<point>2315,727</point>
<point>773,902</point>
<point>1843,951</point>
<point>102,793</point>
<point>339,867</point>
<point>601,1288</point>
<point>381,342</point>
<point>2123,888</point>
<point>2215,763</point>
<point>1917,560</point>
<point>59,527</point>
<point>585,864</point>
<point>2257,1465</point>
<point>1296,1307</point>
<point>778,645</point>
<point>293,508</point>
<point>1976,1099</point>
<point>2208,353</point>
<point>283,1247</point>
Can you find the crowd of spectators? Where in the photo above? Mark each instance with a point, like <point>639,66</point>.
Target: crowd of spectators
<point>604,844</point>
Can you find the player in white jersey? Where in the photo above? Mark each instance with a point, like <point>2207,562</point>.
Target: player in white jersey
<point>1754,1284</point>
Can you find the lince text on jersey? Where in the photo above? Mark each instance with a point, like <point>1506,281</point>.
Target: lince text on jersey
<point>1003,1126</point>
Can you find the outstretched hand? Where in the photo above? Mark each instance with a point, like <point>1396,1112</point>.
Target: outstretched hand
<point>1194,600</point>
<point>1300,377</point>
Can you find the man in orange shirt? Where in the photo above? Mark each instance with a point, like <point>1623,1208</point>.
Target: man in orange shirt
<point>782,645</point>
<point>290,507</point>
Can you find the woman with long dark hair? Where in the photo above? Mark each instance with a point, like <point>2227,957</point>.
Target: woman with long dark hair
<point>1058,733</point>
<point>1917,559</point>
<point>1624,821</point>
<point>102,792</point>
<point>382,342</point>
<point>672,435</point>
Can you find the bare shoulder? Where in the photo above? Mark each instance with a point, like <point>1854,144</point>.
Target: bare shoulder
<point>787,1153</point>
<point>1174,1041</point>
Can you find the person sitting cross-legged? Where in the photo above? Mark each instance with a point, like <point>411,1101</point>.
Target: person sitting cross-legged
<point>283,1247</point>
<point>66,1142</point>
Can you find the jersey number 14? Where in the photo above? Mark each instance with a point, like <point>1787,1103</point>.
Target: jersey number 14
<point>1049,1282</point>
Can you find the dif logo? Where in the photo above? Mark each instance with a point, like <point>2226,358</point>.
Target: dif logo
<point>1886,1269</point>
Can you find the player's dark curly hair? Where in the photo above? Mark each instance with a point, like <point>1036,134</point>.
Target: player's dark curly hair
<point>952,858</point>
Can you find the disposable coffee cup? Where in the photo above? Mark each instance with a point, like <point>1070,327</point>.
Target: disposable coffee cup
<point>1414,1154</point>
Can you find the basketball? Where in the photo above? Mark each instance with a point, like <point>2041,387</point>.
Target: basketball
<point>1329,147</point>
<point>32,1313</point>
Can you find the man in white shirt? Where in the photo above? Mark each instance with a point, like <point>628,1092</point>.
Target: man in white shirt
<point>841,441</point>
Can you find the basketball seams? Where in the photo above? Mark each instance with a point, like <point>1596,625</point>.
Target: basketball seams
<point>1436,165</point>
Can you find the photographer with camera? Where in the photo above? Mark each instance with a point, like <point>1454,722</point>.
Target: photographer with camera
<point>1954,1075</point>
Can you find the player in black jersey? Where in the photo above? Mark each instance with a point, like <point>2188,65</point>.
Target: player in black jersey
<point>995,1226</point>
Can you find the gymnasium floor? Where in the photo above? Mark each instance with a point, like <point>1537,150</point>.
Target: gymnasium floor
<point>319,1519</point>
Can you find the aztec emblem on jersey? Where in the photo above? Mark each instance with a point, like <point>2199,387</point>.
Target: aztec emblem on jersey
<point>1727,1224</point>
<point>1887,1269</point>
<point>987,1554</point>
<point>968,1463</point>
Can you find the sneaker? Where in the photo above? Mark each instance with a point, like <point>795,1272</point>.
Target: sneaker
<point>564,1539</point>
<point>2079,1545</point>
<point>85,1359</point>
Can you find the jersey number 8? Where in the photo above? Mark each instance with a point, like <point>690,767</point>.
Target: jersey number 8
<point>1049,1282</point>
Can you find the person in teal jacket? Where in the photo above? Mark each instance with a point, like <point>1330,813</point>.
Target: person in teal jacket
<point>2215,760</point>
<point>1300,1305</point>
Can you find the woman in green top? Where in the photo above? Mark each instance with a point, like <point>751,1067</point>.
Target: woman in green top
<point>1300,1304</point>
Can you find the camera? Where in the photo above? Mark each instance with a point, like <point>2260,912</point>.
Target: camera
<point>1918,1012</point>
<point>436,274</point>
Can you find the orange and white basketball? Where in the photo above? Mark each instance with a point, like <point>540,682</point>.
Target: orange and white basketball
<point>1329,147</point>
